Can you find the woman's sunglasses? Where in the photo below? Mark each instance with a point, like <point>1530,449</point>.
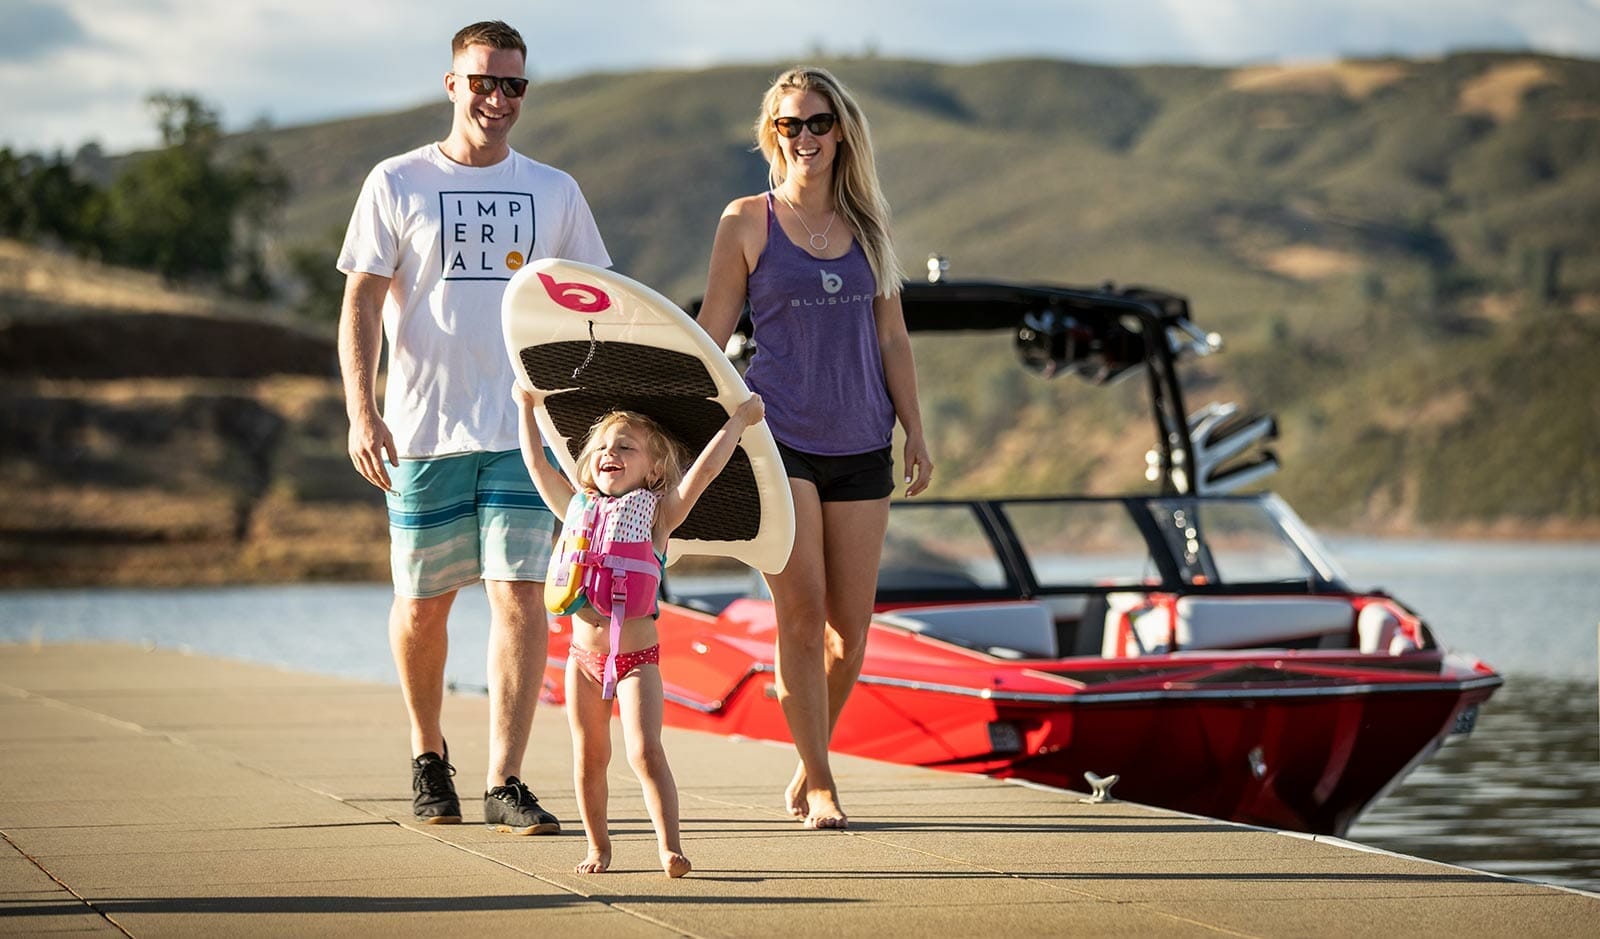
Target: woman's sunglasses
<point>485,84</point>
<point>818,124</point>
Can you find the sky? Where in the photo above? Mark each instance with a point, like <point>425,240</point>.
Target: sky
<point>79,71</point>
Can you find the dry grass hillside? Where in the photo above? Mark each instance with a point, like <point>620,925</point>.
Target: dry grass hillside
<point>1404,257</point>
<point>153,435</point>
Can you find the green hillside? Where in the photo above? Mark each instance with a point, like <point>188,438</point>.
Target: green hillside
<point>1403,256</point>
<point>1044,169</point>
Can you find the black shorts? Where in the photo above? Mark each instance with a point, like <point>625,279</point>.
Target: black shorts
<point>857,477</point>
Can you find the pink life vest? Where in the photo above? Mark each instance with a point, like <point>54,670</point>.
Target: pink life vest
<point>620,572</point>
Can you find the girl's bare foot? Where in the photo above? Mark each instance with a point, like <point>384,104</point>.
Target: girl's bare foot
<point>822,810</point>
<point>795,795</point>
<point>596,862</point>
<point>675,864</point>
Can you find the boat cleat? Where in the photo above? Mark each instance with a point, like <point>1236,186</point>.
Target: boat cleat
<point>1100,787</point>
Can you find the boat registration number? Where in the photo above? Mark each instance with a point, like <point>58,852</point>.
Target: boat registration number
<point>1466,720</point>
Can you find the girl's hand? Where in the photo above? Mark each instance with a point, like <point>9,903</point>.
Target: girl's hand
<point>526,398</point>
<point>751,411</point>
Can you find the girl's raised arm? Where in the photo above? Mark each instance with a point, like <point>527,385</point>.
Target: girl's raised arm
<point>554,487</point>
<point>675,505</point>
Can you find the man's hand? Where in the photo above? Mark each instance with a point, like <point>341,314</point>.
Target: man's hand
<point>370,443</point>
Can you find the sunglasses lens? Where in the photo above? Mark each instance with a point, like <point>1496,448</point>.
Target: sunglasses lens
<point>818,124</point>
<point>486,84</point>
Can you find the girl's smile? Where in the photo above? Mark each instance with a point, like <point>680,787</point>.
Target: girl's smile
<point>621,464</point>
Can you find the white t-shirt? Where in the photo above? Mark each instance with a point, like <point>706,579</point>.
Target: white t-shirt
<point>450,236</point>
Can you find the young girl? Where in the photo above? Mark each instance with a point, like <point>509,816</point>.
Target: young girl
<point>634,493</point>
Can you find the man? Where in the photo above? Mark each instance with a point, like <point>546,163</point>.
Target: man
<point>435,235</point>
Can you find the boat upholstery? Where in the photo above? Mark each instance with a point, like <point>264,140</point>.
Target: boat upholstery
<point>1381,628</point>
<point>1008,630</point>
<point>1152,624</point>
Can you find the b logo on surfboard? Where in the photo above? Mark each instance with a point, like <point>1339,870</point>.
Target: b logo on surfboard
<point>575,296</point>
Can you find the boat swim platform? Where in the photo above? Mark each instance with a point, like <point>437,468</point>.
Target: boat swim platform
<point>157,793</point>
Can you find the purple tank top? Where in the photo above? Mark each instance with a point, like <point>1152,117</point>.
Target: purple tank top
<point>817,365</point>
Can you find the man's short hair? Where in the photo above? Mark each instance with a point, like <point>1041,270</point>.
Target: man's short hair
<point>492,33</point>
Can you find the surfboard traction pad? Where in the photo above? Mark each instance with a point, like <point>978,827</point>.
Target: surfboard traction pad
<point>682,400</point>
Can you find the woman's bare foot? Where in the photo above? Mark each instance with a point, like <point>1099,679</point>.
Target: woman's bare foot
<point>795,795</point>
<point>675,864</point>
<point>596,862</point>
<point>822,810</point>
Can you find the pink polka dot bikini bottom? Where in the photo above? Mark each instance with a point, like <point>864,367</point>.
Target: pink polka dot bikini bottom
<point>595,662</point>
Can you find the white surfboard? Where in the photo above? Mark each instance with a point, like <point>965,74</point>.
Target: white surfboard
<point>596,341</point>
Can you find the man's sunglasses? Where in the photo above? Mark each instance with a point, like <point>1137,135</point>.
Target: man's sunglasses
<point>818,124</point>
<point>485,85</point>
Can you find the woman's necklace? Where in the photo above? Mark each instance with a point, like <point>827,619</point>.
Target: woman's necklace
<point>812,241</point>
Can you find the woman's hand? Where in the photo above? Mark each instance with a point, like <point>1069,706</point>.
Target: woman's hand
<point>919,465</point>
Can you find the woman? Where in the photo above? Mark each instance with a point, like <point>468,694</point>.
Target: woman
<point>815,261</point>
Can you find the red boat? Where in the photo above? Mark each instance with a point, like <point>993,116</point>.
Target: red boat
<point>1196,643</point>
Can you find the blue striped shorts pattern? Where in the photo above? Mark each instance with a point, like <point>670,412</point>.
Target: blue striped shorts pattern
<point>457,519</point>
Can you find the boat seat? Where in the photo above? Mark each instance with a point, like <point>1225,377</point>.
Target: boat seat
<point>1080,626</point>
<point>1380,629</point>
<point>1159,624</point>
<point>1007,630</point>
<point>1115,642</point>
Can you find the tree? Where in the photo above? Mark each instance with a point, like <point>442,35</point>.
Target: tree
<point>312,263</point>
<point>13,193</point>
<point>185,212</point>
<point>43,199</point>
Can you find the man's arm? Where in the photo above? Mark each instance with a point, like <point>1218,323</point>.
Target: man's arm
<point>360,344</point>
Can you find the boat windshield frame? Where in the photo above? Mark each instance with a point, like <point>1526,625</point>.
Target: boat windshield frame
<point>990,549</point>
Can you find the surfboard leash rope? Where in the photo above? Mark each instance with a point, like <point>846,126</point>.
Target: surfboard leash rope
<point>587,358</point>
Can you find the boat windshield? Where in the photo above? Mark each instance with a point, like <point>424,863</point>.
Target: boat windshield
<point>1082,544</point>
<point>1018,547</point>
<point>939,547</point>
<point>1229,542</point>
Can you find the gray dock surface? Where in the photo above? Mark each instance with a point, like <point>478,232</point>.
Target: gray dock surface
<point>152,793</point>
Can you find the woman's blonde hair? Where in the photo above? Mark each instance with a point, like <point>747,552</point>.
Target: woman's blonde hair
<point>667,456</point>
<point>856,192</point>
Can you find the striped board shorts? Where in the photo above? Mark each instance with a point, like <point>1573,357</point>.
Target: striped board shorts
<point>458,519</point>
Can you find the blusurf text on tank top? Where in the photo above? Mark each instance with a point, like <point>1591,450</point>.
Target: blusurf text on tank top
<point>817,365</point>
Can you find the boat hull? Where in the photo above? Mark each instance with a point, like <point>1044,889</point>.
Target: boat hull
<point>1299,742</point>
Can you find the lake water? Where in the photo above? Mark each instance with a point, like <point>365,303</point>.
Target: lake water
<point>1519,796</point>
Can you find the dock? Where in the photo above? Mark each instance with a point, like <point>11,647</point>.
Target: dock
<point>157,793</point>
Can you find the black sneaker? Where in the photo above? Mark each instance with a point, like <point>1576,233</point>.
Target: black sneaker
<point>514,809</point>
<point>435,802</point>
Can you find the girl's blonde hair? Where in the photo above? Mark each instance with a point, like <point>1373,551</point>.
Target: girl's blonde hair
<point>667,456</point>
<point>856,192</point>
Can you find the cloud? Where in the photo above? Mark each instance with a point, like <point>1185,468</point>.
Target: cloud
<point>1221,32</point>
<point>30,30</point>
